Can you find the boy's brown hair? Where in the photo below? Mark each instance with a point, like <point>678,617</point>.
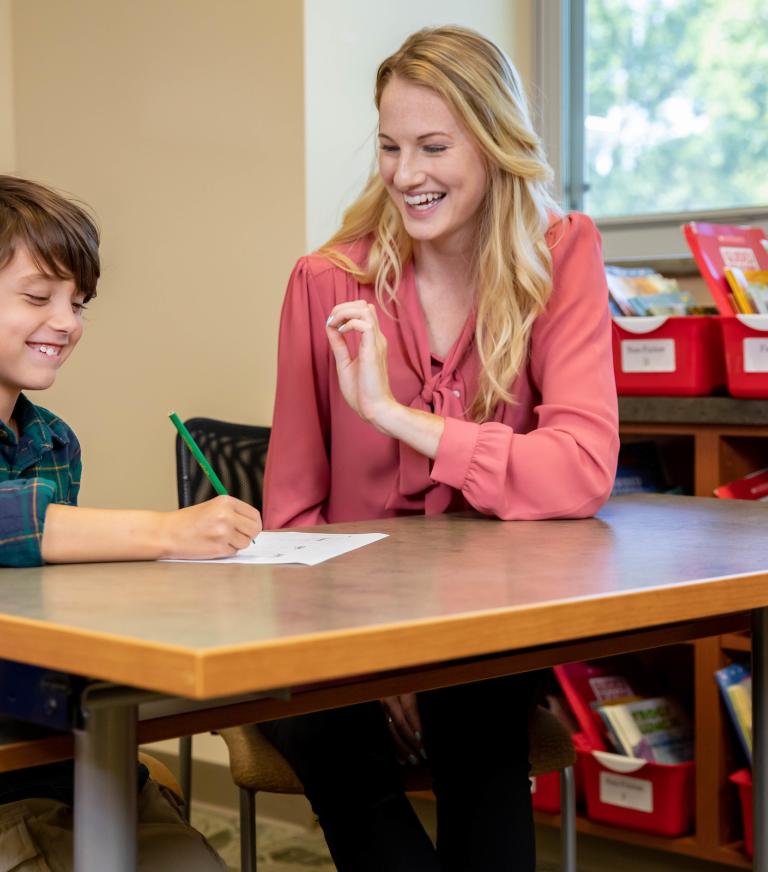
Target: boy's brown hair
<point>60,236</point>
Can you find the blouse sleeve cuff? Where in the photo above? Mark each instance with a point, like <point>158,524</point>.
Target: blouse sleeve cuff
<point>455,452</point>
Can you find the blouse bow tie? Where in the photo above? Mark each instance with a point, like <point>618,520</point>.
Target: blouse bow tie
<point>444,394</point>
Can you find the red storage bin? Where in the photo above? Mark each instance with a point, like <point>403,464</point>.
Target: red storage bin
<point>743,780</point>
<point>745,338</point>
<point>638,795</point>
<point>668,355</point>
<point>545,792</point>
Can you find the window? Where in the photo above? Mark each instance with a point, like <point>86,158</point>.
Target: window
<point>659,109</point>
<point>675,105</point>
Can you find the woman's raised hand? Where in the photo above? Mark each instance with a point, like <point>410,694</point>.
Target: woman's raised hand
<point>364,379</point>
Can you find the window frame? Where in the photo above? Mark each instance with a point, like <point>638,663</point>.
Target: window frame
<point>559,52</point>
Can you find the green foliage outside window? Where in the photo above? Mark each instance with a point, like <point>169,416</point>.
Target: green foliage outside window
<point>676,105</point>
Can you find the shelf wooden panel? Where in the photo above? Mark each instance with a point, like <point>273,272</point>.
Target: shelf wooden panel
<point>725,438</point>
<point>724,413</point>
<point>735,642</point>
<point>731,854</point>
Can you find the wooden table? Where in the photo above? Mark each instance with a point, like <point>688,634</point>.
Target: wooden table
<point>442,600</point>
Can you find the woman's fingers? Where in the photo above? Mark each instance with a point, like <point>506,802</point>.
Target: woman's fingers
<point>354,309</point>
<point>361,365</point>
<point>359,324</point>
<point>338,347</point>
<point>405,743</point>
<point>357,316</point>
<point>411,713</point>
<point>409,747</point>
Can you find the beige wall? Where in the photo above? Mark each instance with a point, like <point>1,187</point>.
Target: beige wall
<point>7,144</point>
<point>358,36</point>
<point>181,123</point>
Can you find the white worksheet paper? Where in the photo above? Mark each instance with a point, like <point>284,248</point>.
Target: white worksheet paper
<point>307,548</point>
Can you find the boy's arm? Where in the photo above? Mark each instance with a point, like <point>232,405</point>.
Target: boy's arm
<point>23,504</point>
<point>216,528</point>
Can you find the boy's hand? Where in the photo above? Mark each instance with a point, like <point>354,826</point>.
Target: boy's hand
<point>217,528</point>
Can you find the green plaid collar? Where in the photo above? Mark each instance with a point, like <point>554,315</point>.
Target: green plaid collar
<point>40,431</point>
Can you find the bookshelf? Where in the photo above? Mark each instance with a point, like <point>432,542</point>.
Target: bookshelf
<point>715,439</point>
<point>704,441</point>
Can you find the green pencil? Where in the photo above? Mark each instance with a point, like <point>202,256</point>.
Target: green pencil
<point>198,454</point>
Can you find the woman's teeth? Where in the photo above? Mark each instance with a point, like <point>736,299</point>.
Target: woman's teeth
<point>423,201</point>
<point>50,350</point>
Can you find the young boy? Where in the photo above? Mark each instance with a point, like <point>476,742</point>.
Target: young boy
<point>49,267</point>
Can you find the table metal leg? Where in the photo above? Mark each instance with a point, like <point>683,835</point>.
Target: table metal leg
<point>105,790</point>
<point>185,773</point>
<point>760,738</point>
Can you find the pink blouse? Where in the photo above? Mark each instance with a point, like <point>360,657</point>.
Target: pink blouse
<point>551,455</point>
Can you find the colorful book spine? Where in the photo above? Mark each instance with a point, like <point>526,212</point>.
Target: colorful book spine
<point>656,729</point>
<point>735,682</point>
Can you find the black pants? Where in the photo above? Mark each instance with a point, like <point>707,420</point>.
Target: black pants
<point>476,740</point>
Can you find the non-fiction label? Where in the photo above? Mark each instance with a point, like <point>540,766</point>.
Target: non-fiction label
<point>647,355</point>
<point>756,354</point>
<point>626,792</point>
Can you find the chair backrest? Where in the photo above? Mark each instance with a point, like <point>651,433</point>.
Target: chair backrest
<point>238,454</point>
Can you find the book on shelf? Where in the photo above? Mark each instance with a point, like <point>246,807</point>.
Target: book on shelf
<point>750,289</point>
<point>642,291</point>
<point>717,247</point>
<point>656,729</point>
<point>735,682</point>
<point>750,487</point>
<point>587,685</point>
<point>639,469</point>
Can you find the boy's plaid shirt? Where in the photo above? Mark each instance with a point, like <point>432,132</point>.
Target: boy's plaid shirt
<point>43,466</point>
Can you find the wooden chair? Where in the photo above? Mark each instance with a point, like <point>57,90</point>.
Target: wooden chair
<point>256,765</point>
<point>160,773</point>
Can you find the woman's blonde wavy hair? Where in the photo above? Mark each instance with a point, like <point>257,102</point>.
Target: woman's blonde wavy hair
<point>512,263</point>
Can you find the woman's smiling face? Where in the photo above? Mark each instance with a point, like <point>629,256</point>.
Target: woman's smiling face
<point>430,164</point>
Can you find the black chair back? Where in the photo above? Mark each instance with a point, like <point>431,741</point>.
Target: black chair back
<point>237,453</point>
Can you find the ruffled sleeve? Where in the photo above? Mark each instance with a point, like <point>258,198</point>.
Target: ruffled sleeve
<point>564,468</point>
<point>297,475</point>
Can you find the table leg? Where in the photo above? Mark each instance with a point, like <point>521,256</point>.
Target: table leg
<point>760,738</point>
<point>105,790</point>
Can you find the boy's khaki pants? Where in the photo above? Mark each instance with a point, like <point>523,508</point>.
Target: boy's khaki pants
<point>36,836</point>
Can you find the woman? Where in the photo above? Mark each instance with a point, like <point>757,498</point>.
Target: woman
<point>448,348</point>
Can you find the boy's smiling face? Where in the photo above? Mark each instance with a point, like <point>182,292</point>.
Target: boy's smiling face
<point>41,321</point>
